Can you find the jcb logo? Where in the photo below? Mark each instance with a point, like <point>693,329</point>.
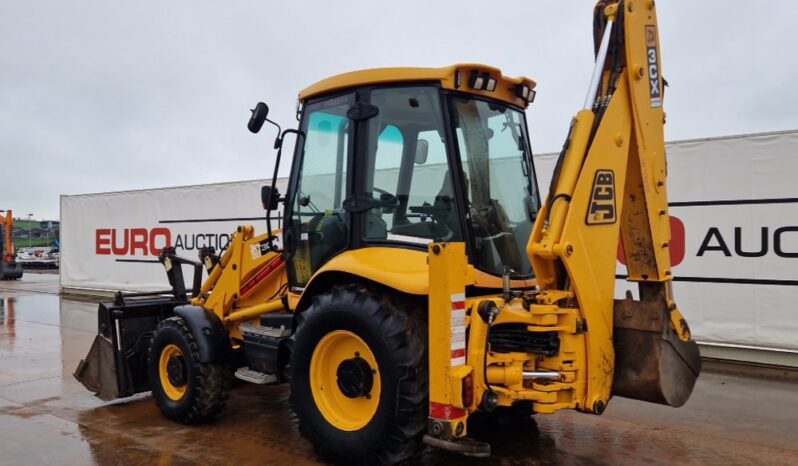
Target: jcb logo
<point>602,199</point>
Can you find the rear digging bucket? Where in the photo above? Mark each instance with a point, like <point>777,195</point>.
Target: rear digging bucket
<point>651,362</point>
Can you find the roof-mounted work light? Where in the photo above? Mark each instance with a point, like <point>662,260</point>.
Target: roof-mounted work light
<point>522,91</point>
<point>482,81</point>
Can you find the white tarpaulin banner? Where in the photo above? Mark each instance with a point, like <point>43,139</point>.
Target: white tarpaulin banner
<point>737,281</point>
<point>111,241</point>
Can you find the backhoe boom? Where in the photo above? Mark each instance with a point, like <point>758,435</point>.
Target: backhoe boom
<point>610,183</point>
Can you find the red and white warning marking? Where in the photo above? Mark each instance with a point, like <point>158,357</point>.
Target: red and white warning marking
<point>458,330</point>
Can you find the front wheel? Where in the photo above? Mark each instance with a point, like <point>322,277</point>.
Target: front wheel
<point>358,376</point>
<point>185,389</point>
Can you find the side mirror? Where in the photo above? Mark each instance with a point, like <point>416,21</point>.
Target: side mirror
<point>259,114</point>
<point>269,197</point>
<point>422,149</point>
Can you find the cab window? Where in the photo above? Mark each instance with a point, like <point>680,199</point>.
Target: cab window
<point>407,176</point>
<point>318,222</point>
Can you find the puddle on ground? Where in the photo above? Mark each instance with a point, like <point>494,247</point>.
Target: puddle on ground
<point>48,417</point>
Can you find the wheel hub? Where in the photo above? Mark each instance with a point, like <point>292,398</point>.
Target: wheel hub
<point>176,371</point>
<point>355,377</point>
<point>345,380</point>
<point>173,372</point>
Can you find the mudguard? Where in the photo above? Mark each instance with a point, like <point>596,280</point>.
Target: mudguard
<point>212,338</point>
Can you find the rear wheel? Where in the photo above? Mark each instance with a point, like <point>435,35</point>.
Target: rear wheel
<point>185,389</point>
<point>358,375</point>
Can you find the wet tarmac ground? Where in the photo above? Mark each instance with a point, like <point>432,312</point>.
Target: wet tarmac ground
<point>46,417</point>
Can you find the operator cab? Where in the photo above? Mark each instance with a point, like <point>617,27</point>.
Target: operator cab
<point>431,155</point>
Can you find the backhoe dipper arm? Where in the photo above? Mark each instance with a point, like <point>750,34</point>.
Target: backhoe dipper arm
<point>610,181</point>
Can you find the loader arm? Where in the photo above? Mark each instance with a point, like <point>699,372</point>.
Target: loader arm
<point>243,284</point>
<point>610,182</point>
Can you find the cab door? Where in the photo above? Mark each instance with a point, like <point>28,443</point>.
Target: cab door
<point>317,225</point>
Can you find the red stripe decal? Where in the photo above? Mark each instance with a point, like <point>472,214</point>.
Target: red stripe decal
<point>260,276</point>
<point>458,353</point>
<point>445,412</point>
<point>458,305</point>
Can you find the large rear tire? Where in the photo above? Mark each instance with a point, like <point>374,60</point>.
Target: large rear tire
<point>358,373</point>
<point>185,389</point>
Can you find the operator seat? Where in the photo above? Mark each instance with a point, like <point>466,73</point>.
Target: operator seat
<point>444,225</point>
<point>446,196</point>
<point>327,234</point>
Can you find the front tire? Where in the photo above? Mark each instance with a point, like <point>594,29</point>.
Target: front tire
<point>358,374</point>
<point>184,389</point>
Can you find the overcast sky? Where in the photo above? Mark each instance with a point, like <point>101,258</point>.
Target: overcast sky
<point>109,95</point>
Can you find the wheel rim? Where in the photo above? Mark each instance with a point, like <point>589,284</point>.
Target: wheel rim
<point>345,380</point>
<point>172,372</point>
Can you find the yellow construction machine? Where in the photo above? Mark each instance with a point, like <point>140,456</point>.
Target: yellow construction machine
<point>417,278</point>
<point>9,268</point>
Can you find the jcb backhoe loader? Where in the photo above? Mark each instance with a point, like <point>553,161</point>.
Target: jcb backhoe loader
<point>9,268</point>
<point>417,278</point>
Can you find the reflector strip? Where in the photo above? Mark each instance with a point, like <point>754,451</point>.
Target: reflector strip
<point>445,412</point>
<point>458,352</point>
<point>260,276</point>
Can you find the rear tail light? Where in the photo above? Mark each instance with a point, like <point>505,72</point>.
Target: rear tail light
<point>468,390</point>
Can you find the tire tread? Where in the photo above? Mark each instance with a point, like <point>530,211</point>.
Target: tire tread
<point>404,330</point>
<point>209,394</point>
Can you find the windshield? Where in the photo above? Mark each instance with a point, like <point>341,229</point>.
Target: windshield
<point>499,184</point>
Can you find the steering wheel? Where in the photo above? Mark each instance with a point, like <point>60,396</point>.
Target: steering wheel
<point>386,199</point>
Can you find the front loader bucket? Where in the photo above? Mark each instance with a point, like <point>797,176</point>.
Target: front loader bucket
<point>116,366</point>
<point>651,362</point>
<point>98,371</point>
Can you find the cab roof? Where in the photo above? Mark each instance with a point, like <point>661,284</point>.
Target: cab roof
<point>454,77</point>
